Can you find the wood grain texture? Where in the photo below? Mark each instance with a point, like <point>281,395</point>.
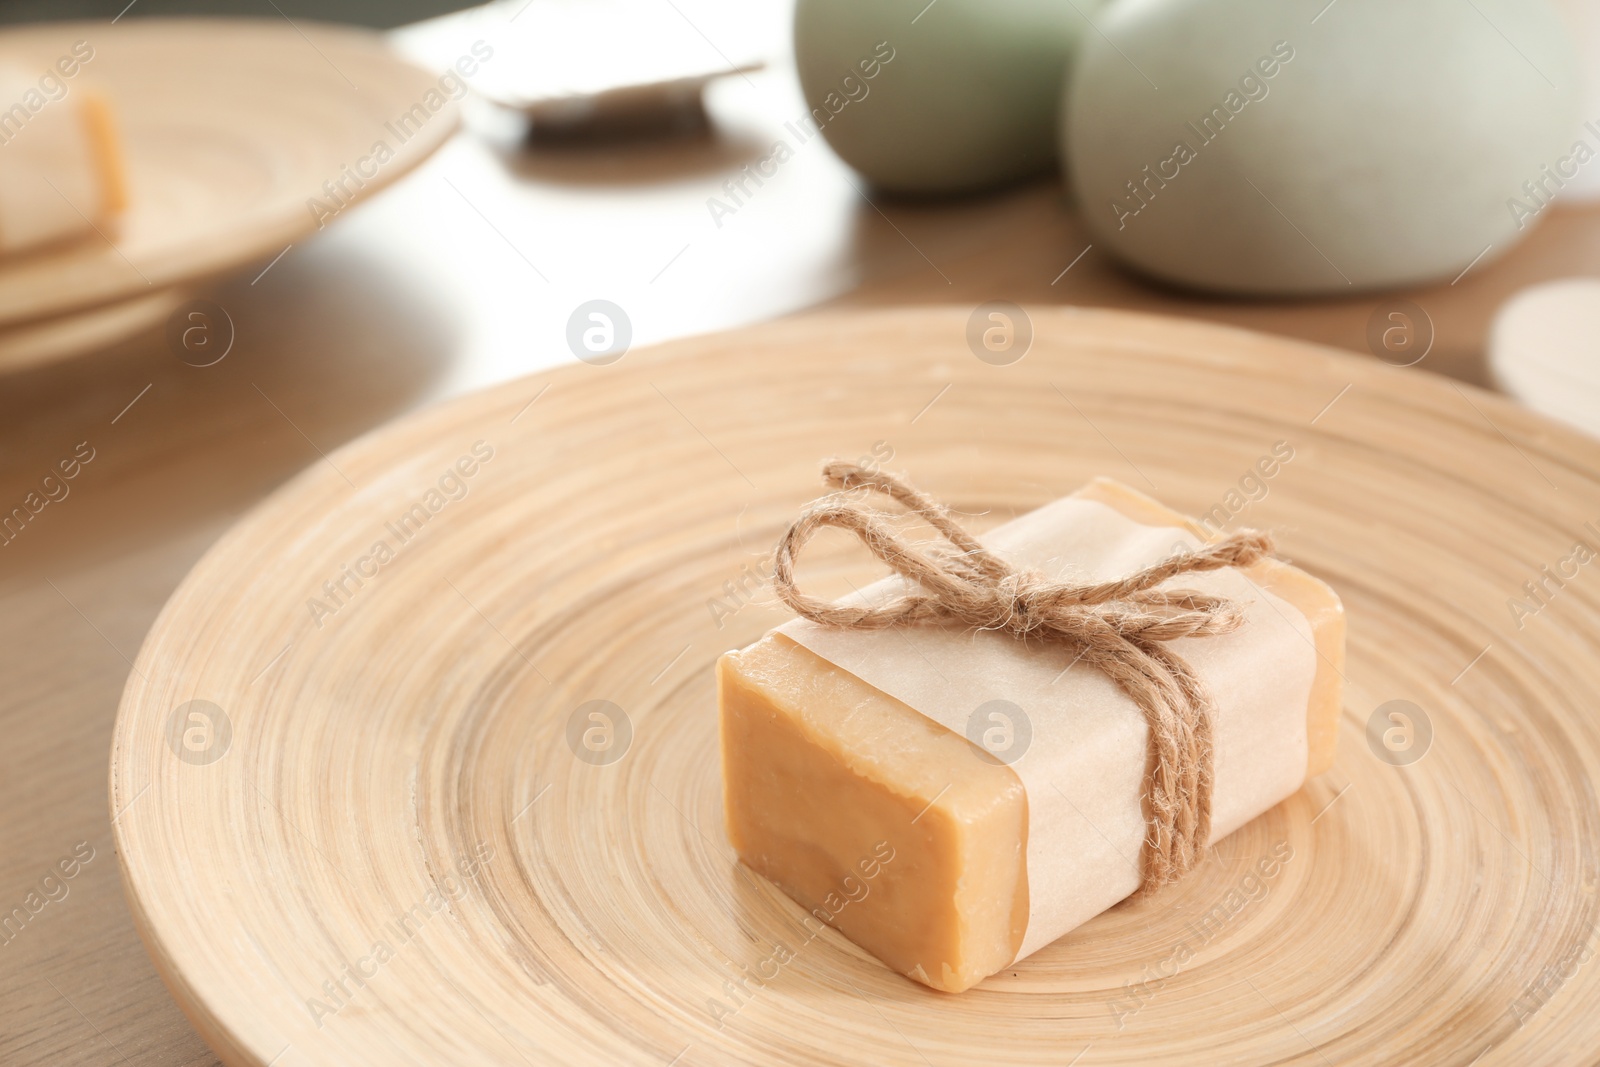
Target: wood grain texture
<point>425,720</point>
<point>228,128</point>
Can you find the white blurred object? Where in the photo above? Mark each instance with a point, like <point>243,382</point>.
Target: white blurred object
<point>1583,17</point>
<point>574,63</point>
<point>1544,349</point>
<point>510,242</point>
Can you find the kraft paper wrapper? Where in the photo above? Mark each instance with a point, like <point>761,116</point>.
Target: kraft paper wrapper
<point>1084,767</point>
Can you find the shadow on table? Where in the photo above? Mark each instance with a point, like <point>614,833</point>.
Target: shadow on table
<point>625,162</point>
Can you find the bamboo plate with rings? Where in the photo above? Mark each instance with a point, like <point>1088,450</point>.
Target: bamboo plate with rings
<point>419,764</point>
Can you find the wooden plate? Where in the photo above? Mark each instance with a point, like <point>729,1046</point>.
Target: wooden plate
<point>293,848</point>
<point>58,338</point>
<point>229,127</point>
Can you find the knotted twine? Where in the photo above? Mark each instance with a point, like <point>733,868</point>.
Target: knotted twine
<point>1120,628</point>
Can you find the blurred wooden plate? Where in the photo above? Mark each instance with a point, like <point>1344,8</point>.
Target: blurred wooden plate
<point>229,127</point>
<point>373,841</point>
<point>68,335</point>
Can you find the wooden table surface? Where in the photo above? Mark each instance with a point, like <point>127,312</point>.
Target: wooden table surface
<point>462,275</point>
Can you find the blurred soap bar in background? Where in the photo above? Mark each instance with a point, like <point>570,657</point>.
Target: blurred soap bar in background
<point>61,171</point>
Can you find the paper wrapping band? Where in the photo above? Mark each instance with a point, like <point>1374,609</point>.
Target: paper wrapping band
<point>1084,759</point>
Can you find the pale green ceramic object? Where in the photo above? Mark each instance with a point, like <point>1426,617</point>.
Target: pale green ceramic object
<point>964,97</point>
<point>1389,148</point>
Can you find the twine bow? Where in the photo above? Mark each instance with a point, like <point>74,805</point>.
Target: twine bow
<point>1120,626</point>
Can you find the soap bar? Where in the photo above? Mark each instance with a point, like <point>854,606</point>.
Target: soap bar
<point>61,171</point>
<point>975,862</point>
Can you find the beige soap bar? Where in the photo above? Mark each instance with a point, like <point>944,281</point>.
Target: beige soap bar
<point>824,776</point>
<point>61,169</point>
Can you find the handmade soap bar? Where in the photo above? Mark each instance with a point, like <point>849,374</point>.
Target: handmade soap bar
<point>61,172</point>
<point>826,772</point>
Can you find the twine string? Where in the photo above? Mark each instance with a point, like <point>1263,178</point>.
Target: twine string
<point>1121,628</point>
